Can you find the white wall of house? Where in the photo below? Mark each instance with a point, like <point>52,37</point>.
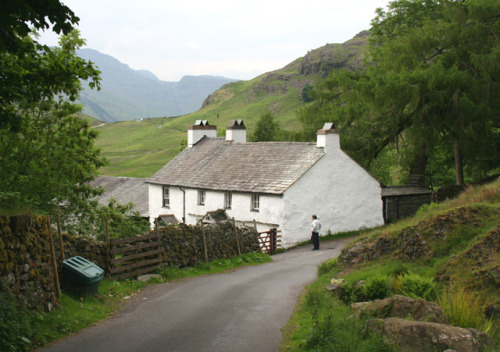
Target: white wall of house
<point>269,214</point>
<point>341,193</point>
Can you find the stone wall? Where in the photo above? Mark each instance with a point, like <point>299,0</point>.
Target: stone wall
<point>25,260</point>
<point>184,246</point>
<point>25,267</point>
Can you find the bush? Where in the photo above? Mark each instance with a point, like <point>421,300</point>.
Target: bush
<point>464,309</point>
<point>414,286</point>
<point>16,325</point>
<point>327,266</point>
<point>376,287</point>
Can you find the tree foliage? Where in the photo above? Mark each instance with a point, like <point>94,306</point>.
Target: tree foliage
<point>267,129</point>
<point>123,221</point>
<point>46,153</point>
<point>18,17</point>
<point>431,81</point>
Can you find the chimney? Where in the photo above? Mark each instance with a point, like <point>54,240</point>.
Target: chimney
<point>328,137</point>
<point>236,131</point>
<point>200,129</point>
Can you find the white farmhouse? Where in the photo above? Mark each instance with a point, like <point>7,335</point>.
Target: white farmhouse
<point>277,184</point>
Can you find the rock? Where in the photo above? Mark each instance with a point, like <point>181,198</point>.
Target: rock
<point>417,336</point>
<point>399,306</point>
<point>335,288</point>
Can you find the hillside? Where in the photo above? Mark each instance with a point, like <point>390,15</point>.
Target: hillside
<point>139,149</point>
<point>128,94</point>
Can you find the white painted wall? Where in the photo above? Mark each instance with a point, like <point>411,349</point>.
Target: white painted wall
<point>341,193</point>
<point>269,214</point>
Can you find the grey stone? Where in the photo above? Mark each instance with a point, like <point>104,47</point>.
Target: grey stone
<point>417,336</point>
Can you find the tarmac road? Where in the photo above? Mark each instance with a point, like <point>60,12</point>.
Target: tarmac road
<point>242,310</point>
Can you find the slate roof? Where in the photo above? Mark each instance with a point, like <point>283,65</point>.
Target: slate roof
<point>124,190</point>
<point>261,167</point>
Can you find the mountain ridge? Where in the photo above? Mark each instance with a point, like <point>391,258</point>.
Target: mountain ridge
<point>128,94</point>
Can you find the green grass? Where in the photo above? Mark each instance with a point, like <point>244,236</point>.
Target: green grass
<point>76,313</point>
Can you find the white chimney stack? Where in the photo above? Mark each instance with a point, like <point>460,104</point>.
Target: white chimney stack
<point>328,138</point>
<point>200,129</point>
<point>236,131</point>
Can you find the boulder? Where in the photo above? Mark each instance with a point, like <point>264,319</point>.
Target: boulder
<point>417,336</point>
<point>399,306</point>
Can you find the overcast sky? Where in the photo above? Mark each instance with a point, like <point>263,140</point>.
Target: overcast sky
<point>241,40</point>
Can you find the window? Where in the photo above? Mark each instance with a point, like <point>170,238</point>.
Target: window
<point>201,196</point>
<point>166,197</point>
<point>255,202</point>
<point>228,200</point>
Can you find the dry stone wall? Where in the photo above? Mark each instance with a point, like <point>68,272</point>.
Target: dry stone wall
<point>25,267</point>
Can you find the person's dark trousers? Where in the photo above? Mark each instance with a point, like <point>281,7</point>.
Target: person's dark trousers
<point>315,240</point>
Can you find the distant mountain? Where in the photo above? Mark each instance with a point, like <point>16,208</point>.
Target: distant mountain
<point>128,94</point>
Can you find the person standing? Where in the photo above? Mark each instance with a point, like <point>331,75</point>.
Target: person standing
<point>315,227</point>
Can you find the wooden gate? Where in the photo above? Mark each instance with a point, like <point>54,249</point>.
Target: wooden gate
<point>269,241</point>
<point>135,256</point>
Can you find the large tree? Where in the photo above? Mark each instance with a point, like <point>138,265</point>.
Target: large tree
<point>49,157</point>
<point>432,78</point>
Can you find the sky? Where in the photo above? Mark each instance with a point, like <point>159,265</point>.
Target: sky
<point>238,40</point>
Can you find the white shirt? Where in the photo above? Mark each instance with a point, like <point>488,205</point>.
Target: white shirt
<point>315,225</point>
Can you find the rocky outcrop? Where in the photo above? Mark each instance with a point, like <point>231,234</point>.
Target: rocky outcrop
<point>411,325</point>
<point>403,307</point>
<point>417,336</point>
<point>415,242</point>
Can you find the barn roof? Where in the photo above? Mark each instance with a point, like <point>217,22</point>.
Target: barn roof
<point>261,167</point>
<point>125,190</point>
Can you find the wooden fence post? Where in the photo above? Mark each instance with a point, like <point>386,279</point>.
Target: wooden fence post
<point>59,231</point>
<point>204,240</point>
<point>54,262</point>
<point>108,246</point>
<point>237,237</point>
<point>272,241</point>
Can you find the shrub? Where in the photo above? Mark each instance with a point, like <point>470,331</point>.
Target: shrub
<point>327,266</point>
<point>376,287</point>
<point>16,325</point>
<point>414,286</point>
<point>464,309</point>
<point>349,293</point>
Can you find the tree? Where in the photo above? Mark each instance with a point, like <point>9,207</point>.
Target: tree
<point>432,78</point>
<point>267,129</point>
<point>17,19</point>
<point>49,157</point>
<point>123,221</point>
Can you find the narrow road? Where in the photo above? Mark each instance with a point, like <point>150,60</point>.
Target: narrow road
<point>242,310</point>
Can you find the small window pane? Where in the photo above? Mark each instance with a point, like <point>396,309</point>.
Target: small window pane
<point>166,197</point>
<point>255,202</point>
<point>228,200</point>
<point>201,197</point>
